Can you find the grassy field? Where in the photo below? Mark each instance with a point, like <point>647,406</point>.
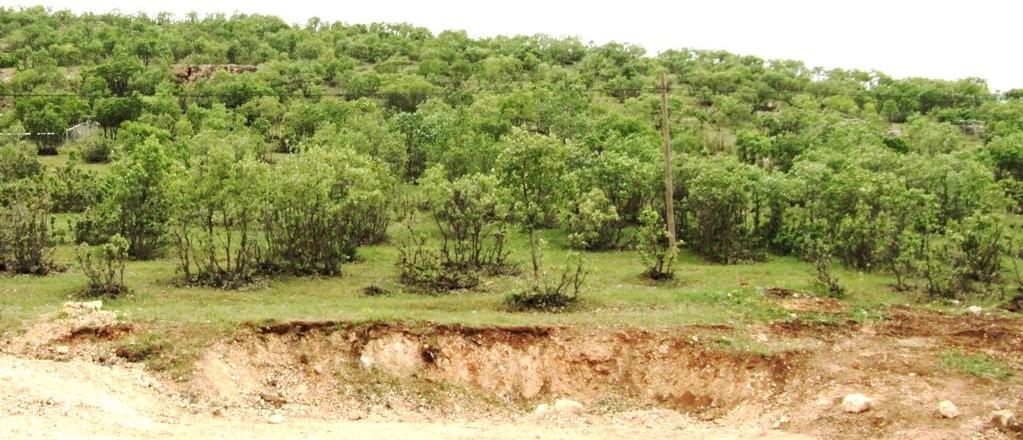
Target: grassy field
<point>615,294</point>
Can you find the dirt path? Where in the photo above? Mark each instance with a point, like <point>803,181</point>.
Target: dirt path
<point>75,399</point>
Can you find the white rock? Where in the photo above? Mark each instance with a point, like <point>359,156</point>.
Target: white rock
<point>62,349</point>
<point>856,403</point>
<point>975,310</point>
<point>542,409</point>
<point>1002,419</point>
<point>569,407</point>
<point>947,409</point>
<point>275,419</point>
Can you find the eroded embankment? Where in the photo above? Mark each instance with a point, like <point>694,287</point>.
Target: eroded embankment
<point>306,363</point>
<point>784,376</point>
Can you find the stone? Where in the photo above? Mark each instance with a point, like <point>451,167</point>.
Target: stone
<point>1003,419</point>
<point>974,310</point>
<point>61,349</point>
<point>856,403</point>
<point>275,419</point>
<point>568,407</point>
<point>947,409</point>
<point>542,409</point>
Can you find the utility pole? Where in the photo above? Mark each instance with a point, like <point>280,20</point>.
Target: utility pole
<point>669,187</point>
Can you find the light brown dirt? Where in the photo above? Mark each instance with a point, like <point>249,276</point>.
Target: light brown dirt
<point>328,379</point>
<point>48,399</point>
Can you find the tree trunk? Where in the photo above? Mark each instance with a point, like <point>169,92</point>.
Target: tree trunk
<point>536,258</point>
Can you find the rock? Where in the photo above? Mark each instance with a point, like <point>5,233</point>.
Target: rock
<point>1003,420</point>
<point>568,407</point>
<point>856,403</point>
<point>61,349</point>
<point>542,409</point>
<point>275,419</point>
<point>273,398</point>
<point>947,409</point>
<point>974,310</point>
<point>73,308</point>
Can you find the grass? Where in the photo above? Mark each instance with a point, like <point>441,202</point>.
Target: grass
<point>615,293</point>
<point>976,364</point>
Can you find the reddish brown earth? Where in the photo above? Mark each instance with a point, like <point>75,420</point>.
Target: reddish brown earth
<point>325,379</point>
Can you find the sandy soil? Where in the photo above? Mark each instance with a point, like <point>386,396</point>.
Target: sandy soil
<point>75,399</point>
<point>63,379</point>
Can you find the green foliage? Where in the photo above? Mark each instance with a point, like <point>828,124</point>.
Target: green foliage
<point>72,189</point>
<point>26,245</point>
<point>819,253</point>
<point>551,295</point>
<point>654,246</point>
<point>424,266</point>
<point>976,364</point>
<point>540,131</point>
<point>104,265</point>
<point>18,161</point>
<point>321,206</point>
<point>135,202</point>
<point>929,137</point>
<point>593,222</point>
<point>94,149</point>
<point>531,168</point>
<point>216,209</point>
<point>471,214</point>
<point>725,208</point>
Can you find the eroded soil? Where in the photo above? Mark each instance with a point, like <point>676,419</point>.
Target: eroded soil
<point>329,379</point>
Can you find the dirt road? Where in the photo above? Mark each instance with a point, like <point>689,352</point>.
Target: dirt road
<point>75,399</point>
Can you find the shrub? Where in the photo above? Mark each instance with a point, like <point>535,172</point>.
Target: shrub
<point>471,216</point>
<point>724,208</point>
<point>593,222</point>
<point>95,149</point>
<point>73,190</point>
<point>216,213</point>
<point>321,206</point>
<point>548,296</point>
<point>968,256</point>
<point>18,161</point>
<point>820,254</point>
<point>424,266</point>
<point>104,266</point>
<point>136,202</point>
<point>614,177</point>
<point>654,247</point>
<point>26,245</point>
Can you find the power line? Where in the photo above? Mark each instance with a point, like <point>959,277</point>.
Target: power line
<point>346,95</point>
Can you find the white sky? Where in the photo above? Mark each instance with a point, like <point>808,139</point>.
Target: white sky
<point>937,38</point>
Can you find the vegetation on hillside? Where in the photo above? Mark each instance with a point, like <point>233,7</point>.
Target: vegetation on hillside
<point>340,131</point>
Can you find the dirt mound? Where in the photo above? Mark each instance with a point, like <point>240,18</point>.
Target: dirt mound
<point>195,72</point>
<point>74,320</point>
<point>308,365</point>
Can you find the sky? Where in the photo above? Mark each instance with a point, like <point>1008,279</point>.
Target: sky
<point>936,39</point>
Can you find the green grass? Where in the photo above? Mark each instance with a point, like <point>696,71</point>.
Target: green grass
<point>615,293</point>
<point>976,364</point>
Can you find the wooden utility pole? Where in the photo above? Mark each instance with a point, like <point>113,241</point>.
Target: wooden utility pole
<point>669,187</point>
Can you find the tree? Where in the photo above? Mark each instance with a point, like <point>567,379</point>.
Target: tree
<point>113,111</point>
<point>216,209</point>
<point>530,168</point>
<point>136,200</point>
